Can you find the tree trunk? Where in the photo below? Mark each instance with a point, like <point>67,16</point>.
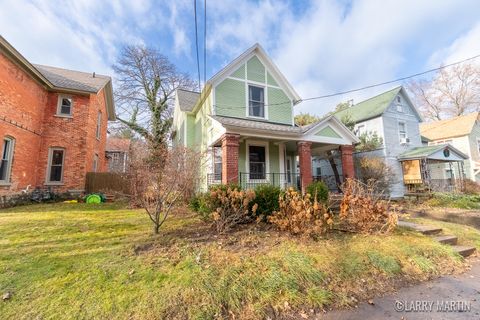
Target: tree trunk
<point>156,228</point>
<point>334,168</point>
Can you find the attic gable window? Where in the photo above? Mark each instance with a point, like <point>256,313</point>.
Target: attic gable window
<point>64,106</point>
<point>399,104</point>
<point>256,102</point>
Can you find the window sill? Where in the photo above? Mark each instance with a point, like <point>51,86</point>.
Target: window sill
<point>257,118</point>
<point>63,116</point>
<point>53,183</point>
<point>5,184</point>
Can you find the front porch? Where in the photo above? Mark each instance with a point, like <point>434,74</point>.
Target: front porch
<point>433,169</point>
<point>252,161</point>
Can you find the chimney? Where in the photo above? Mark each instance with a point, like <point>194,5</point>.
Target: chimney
<point>94,74</point>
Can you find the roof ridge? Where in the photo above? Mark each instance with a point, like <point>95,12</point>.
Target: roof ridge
<point>186,90</point>
<point>84,72</point>
<point>382,93</point>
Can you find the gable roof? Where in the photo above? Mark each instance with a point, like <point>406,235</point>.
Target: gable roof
<point>454,127</point>
<point>70,79</point>
<point>187,99</point>
<point>370,108</point>
<point>257,49</point>
<point>426,151</point>
<point>62,80</point>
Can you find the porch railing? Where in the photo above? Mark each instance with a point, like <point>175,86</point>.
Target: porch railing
<point>213,179</point>
<point>250,180</point>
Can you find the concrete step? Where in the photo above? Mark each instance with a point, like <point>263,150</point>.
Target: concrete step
<point>464,251</point>
<point>427,230</point>
<point>447,239</point>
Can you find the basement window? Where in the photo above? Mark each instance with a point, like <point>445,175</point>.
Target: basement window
<point>64,107</point>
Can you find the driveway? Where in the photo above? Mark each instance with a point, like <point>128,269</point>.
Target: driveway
<point>449,297</point>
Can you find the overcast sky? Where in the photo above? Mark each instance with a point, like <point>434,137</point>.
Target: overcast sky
<point>321,46</point>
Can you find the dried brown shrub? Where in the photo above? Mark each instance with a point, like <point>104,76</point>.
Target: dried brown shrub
<point>470,187</point>
<point>364,210</point>
<point>301,215</point>
<point>233,207</point>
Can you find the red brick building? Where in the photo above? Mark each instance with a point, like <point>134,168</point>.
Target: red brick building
<point>53,124</point>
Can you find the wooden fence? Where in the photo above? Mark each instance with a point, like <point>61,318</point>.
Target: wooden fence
<point>107,182</point>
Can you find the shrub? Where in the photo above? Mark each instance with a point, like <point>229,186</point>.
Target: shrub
<point>232,207</point>
<point>375,170</point>
<point>300,216</point>
<point>266,197</point>
<point>369,141</point>
<point>319,190</point>
<point>363,210</point>
<point>471,187</point>
<point>201,204</point>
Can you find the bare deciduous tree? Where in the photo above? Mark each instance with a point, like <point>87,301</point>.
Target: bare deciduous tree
<point>145,85</point>
<point>452,92</point>
<point>158,186</point>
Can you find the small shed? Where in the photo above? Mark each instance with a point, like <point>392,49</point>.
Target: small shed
<point>433,168</point>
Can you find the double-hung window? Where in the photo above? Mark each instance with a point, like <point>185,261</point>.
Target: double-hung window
<point>95,162</point>
<point>64,107</point>
<point>256,102</point>
<point>99,125</point>
<point>217,163</point>
<point>6,160</point>
<point>56,159</point>
<point>257,162</point>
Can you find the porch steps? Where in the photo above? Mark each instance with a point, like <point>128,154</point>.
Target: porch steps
<point>464,251</point>
<point>109,198</point>
<point>447,239</point>
<point>427,230</point>
<point>452,240</point>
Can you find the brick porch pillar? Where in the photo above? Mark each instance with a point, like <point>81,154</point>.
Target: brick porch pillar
<point>348,169</point>
<point>305,161</point>
<point>230,143</point>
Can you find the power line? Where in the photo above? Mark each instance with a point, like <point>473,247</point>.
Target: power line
<point>196,43</point>
<point>366,87</point>
<point>205,43</point>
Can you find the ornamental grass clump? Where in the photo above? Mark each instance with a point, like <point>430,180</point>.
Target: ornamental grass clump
<point>364,210</point>
<point>233,207</point>
<point>301,214</point>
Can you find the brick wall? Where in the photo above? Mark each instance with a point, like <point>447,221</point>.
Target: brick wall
<point>28,114</point>
<point>230,144</point>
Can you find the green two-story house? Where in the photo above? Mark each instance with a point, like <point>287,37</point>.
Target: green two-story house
<point>243,120</point>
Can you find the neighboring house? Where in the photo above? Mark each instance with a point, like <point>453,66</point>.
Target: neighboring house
<point>243,121</point>
<point>395,119</point>
<point>117,153</point>
<point>53,124</point>
<point>462,132</point>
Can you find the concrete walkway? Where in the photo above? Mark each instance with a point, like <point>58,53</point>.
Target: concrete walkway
<point>423,301</point>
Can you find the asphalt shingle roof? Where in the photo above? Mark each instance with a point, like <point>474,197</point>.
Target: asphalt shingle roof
<point>260,125</point>
<point>426,151</point>
<point>75,80</point>
<point>118,144</point>
<point>187,99</point>
<point>455,127</point>
<point>370,108</point>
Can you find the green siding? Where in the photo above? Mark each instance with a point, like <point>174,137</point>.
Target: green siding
<point>255,70</point>
<point>278,110</point>
<point>328,132</point>
<point>270,80</point>
<point>273,155</point>
<point>180,134</point>
<point>240,72</point>
<point>190,130</point>
<point>242,157</point>
<point>230,98</point>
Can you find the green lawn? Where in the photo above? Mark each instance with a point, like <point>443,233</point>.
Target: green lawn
<point>78,261</point>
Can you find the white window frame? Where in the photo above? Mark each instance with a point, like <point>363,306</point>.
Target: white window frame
<point>264,144</point>
<point>49,166</point>
<point>95,162</point>
<point>9,159</point>
<point>98,129</point>
<point>265,102</point>
<point>214,162</point>
<point>59,106</point>
<point>405,131</point>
